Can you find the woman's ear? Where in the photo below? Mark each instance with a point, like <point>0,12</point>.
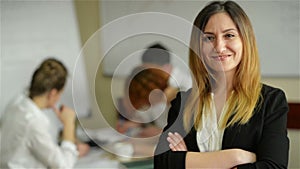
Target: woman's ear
<point>53,97</point>
<point>52,92</point>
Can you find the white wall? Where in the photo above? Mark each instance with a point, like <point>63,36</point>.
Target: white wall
<point>294,136</point>
<point>32,31</point>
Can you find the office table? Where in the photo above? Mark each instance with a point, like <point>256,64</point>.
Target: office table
<point>100,159</point>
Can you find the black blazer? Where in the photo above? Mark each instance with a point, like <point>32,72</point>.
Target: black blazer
<point>265,134</point>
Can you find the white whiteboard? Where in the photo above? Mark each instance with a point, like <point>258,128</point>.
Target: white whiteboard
<point>32,31</point>
<point>276,25</point>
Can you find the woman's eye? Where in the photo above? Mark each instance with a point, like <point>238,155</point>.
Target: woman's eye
<point>229,35</point>
<point>208,38</point>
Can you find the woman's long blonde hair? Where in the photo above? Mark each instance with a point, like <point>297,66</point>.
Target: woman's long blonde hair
<point>246,84</point>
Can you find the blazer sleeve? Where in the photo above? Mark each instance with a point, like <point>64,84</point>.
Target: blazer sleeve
<point>164,157</point>
<point>272,150</point>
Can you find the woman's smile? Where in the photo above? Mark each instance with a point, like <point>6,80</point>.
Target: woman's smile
<point>221,57</point>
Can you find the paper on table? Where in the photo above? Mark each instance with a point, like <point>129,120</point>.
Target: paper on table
<point>105,135</point>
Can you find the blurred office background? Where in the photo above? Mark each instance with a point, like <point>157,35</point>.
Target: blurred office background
<point>74,38</point>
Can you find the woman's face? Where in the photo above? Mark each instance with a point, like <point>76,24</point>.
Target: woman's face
<point>222,46</point>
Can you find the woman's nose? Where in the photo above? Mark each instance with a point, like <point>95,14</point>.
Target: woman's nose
<point>220,45</point>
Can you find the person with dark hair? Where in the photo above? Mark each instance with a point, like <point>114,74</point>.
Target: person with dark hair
<point>25,138</point>
<point>160,55</point>
<point>156,54</point>
<point>229,119</point>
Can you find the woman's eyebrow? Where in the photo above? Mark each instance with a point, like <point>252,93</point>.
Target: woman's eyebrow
<point>210,33</point>
<point>230,29</point>
<point>224,31</point>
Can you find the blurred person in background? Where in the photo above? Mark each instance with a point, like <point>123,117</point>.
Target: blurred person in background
<point>160,55</point>
<point>142,110</point>
<point>25,138</point>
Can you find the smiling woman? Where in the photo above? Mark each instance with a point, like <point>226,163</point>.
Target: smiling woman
<point>228,116</point>
<point>222,45</point>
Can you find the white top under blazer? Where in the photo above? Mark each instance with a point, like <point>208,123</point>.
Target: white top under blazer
<point>210,135</point>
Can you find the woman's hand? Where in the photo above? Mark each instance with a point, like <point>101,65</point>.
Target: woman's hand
<point>82,148</point>
<point>229,158</point>
<point>65,114</point>
<point>150,131</point>
<point>176,142</point>
<point>245,156</point>
<point>123,125</point>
